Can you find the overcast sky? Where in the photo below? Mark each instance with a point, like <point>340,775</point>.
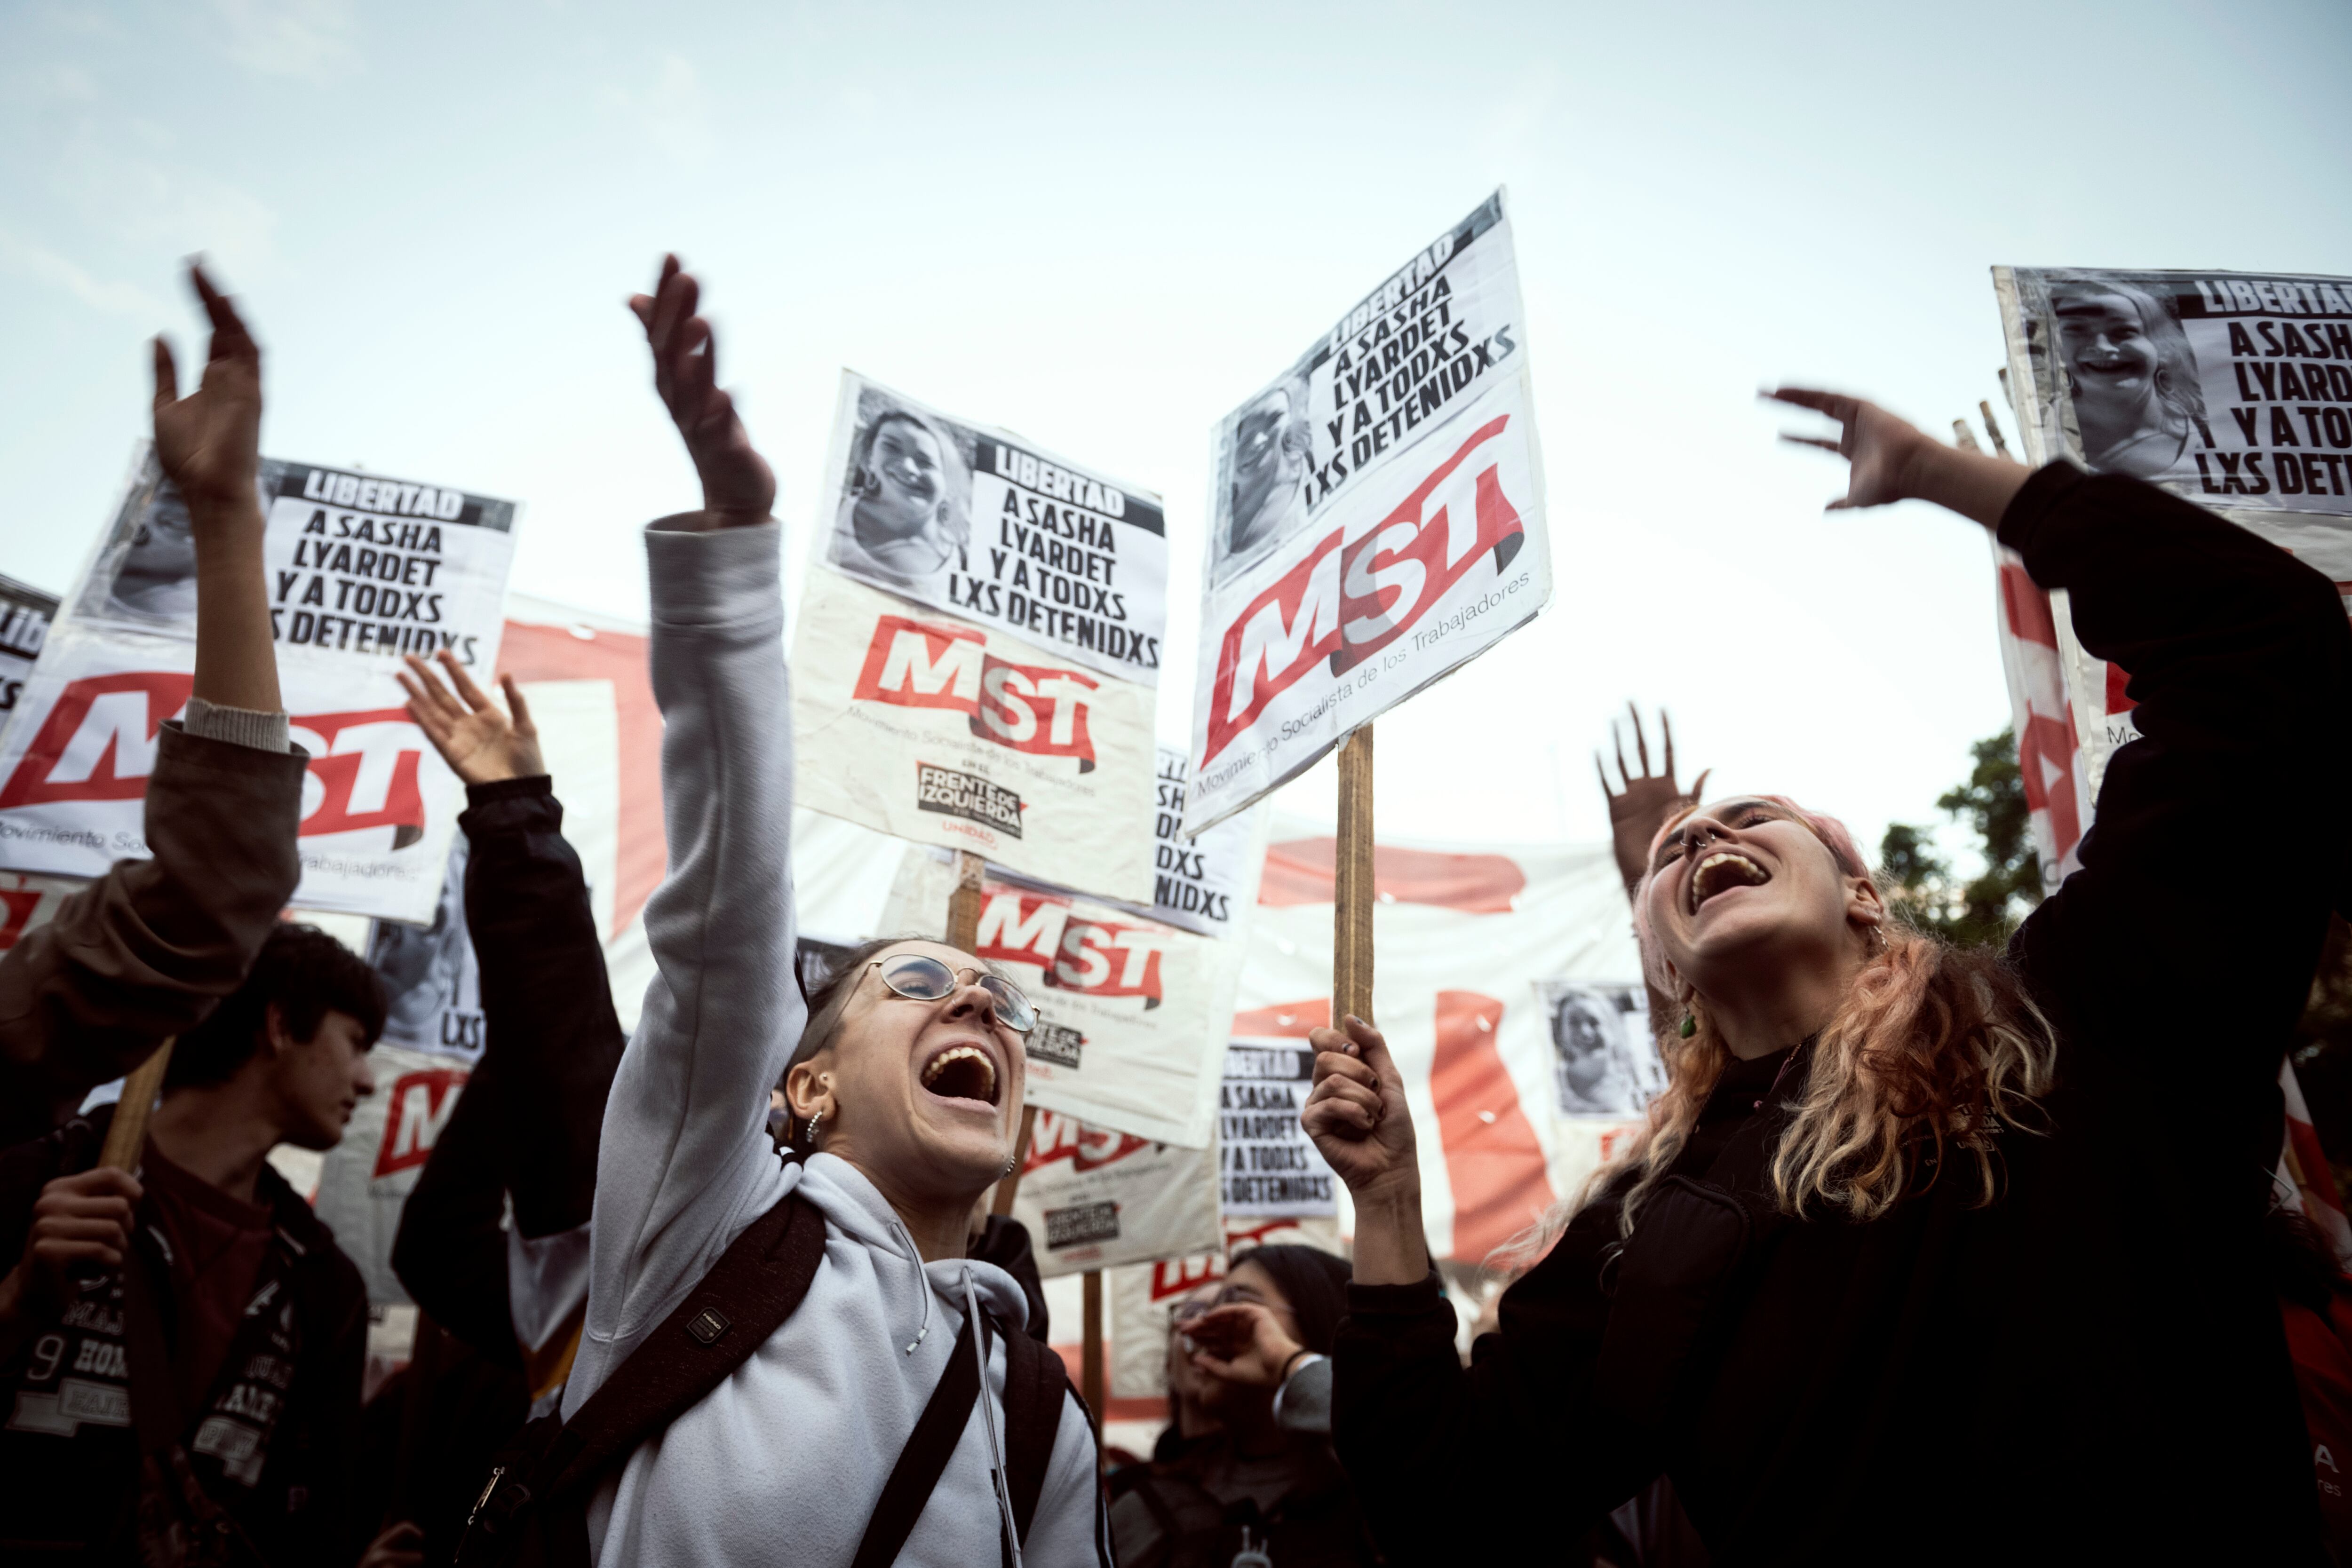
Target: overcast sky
<point>1103,232</point>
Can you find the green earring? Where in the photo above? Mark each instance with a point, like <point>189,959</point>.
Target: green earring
<point>1690,1025</point>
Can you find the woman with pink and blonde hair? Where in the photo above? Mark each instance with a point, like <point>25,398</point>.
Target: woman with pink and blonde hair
<point>1925,1254</point>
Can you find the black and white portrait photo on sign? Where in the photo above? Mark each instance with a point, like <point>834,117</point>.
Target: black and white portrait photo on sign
<point>905,499</point>
<point>431,988</point>
<point>1603,1063</point>
<point>1264,476</point>
<point>2130,374</point>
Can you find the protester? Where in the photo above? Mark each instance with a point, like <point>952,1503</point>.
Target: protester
<point>1265,1479</point>
<point>1924,1254</point>
<point>146,951</point>
<point>907,1087</point>
<point>1189,1416</point>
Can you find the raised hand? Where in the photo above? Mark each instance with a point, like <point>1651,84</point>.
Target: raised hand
<point>1355,1111</point>
<point>209,442</point>
<point>1639,809</point>
<point>736,485</point>
<point>480,744</point>
<point>1894,462</point>
<point>1242,1342</point>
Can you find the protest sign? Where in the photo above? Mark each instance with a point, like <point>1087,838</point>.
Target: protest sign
<point>1205,884</point>
<point>1268,1165</point>
<point>1604,1062</point>
<point>29,903</point>
<point>988,527</point>
<point>2232,390</point>
<point>24,615</point>
<point>365,1179</point>
<point>358,570</point>
<point>929,728</point>
<point>1094,1198</point>
<point>1379,519</point>
<point>1130,1012</point>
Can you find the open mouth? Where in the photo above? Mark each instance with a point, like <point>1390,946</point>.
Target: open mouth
<point>962,1072</point>
<point>1720,873</point>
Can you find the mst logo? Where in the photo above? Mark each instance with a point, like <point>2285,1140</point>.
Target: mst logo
<point>1346,602</point>
<point>100,739</point>
<point>1027,707</point>
<point>1097,957</point>
<point>1060,1137</point>
<point>419,1108</point>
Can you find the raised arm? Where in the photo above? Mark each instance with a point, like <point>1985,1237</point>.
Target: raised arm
<point>149,949</point>
<point>2187,939</point>
<point>687,1161</point>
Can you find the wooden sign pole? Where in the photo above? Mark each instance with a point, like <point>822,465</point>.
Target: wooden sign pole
<point>1351,904</point>
<point>1090,1360</point>
<point>127,1134</point>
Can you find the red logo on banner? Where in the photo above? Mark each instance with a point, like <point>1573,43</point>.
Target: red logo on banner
<point>16,907</point>
<point>1060,1137</point>
<point>98,741</point>
<point>1346,605</point>
<point>1024,707</point>
<point>419,1108</point>
<point>1097,957</point>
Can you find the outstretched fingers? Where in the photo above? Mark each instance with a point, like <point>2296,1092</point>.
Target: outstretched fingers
<point>1641,738</point>
<point>230,337</point>
<point>518,708</point>
<point>167,375</point>
<point>429,702</point>
<point>476,698</point>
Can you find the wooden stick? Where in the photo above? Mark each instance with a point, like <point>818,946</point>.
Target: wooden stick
<point>126,1136</point>
<point>963,904</point>
<point>1963,437</point>
<point>1090,1361</point>
<point>1351,904</point>
<point>1009,1187</point>
<point>1992,428</point>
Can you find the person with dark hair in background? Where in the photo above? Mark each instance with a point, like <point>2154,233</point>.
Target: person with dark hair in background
<point>1265,1479</point>
<point>1926,1254</point>
<point>219,1350</point>
<point>1189,1419</point>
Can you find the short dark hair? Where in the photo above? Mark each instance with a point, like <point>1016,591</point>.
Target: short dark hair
<point>1314,1283</point>
<point>302,972</point>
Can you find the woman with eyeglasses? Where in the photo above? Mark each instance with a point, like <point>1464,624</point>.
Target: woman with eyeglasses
<point>1256,1473</point>
<point>903,1078</point>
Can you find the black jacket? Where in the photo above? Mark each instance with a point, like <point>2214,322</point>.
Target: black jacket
<point>2090,1368</point>
<point>275,1444</point>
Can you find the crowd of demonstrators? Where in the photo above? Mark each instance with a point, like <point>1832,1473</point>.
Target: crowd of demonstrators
<point>1925,1253</point>
<point>181,1344</point>
<point>1249,1465</point>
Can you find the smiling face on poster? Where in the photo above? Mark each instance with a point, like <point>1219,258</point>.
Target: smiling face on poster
<point>1379,519</point>
<point>358,570</point>
<point>982,524</point>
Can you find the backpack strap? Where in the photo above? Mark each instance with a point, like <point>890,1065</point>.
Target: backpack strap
<point>751,1289</point>
<point>1035,1382</point>
<point>925,1457</point>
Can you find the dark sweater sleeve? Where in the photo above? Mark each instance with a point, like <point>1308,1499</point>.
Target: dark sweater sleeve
<point>528,1121</point>
<point>2186,942</point>
<point>149,949</point>
<point>1430,1443</point>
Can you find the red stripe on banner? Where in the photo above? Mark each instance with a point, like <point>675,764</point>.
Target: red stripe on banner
<point>1284,1020</point>
<point>1300,870</point>
<point>2027,608</point>
<point>534,652</point>
<point>2118,699</point>
<point>1492,1159</point>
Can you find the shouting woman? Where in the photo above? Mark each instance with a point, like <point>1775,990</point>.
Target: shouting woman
<point>1925,1255</point>
<point>905,1091</point>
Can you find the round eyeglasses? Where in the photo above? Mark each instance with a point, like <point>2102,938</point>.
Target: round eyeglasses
<point>920,977</point>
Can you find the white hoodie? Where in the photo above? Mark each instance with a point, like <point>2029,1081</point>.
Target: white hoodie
<point>782,1462</point>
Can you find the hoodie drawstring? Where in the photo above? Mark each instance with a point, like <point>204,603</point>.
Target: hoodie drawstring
<point>922,1284</point>
<point>987,1411</point>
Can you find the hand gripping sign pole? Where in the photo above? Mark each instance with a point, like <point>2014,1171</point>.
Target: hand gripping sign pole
<point>127,1134</point>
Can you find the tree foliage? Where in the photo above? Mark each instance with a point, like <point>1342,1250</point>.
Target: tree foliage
<point>1984,909</point>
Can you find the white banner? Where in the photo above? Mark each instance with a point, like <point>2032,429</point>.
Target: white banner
<point>2231,390</point>
<point>359,569</point>
<point>24,615</point>
<point>1206,883</point>
<point>365,1179</point>
<point>985,525</point>
<point>1093,1199</point>
<point>1380,519</point>
<point>925,727</point>
<point>1268,1166</point>
<point>1130,1012</point>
